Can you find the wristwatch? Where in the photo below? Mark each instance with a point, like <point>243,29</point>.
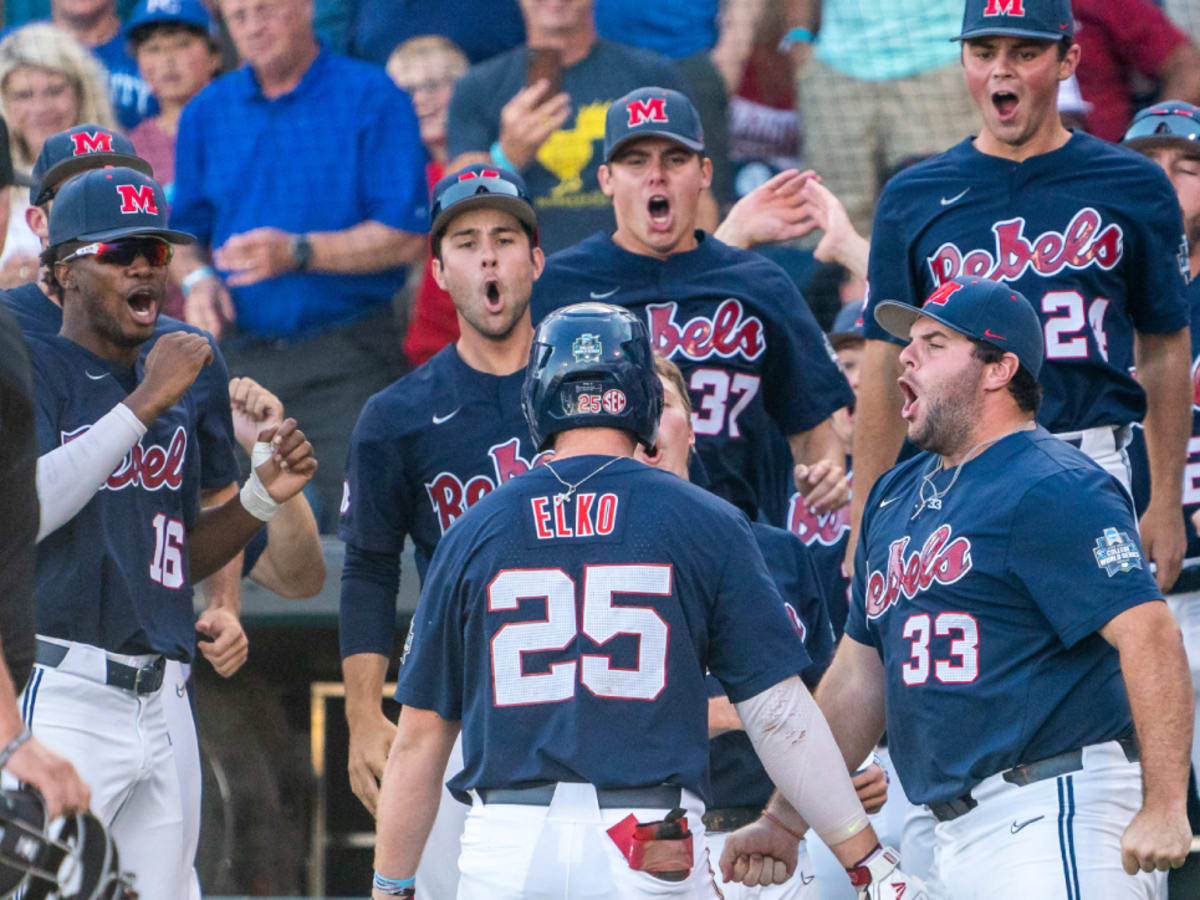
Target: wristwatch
<point>302,251</point>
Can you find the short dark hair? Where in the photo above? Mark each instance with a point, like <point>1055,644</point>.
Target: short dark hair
<point>48,258</point>
<point>1023,386</point>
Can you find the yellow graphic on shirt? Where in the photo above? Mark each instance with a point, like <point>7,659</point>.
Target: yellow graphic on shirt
<point>569,150</point>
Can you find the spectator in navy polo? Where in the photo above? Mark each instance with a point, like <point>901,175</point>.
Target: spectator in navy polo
<point>303,175</point>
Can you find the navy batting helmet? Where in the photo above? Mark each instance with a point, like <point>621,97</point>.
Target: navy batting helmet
<point>79,862</point>
<point>591,366</point>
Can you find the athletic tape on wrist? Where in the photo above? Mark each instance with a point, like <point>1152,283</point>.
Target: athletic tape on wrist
<point>394,887</point>
<point>254,496</point>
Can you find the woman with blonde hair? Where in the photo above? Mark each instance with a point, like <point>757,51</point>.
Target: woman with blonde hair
<point>48,83</point>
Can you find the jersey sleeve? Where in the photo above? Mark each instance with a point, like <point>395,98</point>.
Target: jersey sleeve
<point>805,385</point>
<point>889,274</point>
<point>375,507</point>
<point>1159,258</point>
<point>471,127</point>
<point>813,609</point>
<point>436,635</point>
<point>1084,565</point>
<point>214,424</point>
<point>752,645</point>
<point>191,210</point>
<point>391,143</point>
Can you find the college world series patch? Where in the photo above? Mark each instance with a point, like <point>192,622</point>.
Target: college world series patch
<point>1116,552</point>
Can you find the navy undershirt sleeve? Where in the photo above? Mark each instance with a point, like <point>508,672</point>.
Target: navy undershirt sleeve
<point>367,618</point>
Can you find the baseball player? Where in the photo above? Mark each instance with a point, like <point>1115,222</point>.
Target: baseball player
<point>121,537</point>
<point>1088,231</point>
<point>432,445</point>
<point>568,620</point>
<point>1169,134</point>
<point>740,786</point>
<point>1005,619</point>
<point>62,156</point>
<point>756,362</point>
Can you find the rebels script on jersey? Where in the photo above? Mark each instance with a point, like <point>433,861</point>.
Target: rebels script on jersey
<point>973,618</point>
<point>116,575</point>
<point>38,315</point>
<point>580,632</point>
<point>727,318</point>
<point>426,449</point>
<point>1091,233</point>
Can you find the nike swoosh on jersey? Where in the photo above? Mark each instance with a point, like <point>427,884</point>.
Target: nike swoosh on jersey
<point>438,420</point>
<point>596,296</point>
<point>946,201</point>
<point>95,377</point>
<point>987,332</point>
<point>1017,826</point>
<point>883,503</point>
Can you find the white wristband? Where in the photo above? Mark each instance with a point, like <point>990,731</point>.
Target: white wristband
<point>254,496</point>
<point>194,277</point>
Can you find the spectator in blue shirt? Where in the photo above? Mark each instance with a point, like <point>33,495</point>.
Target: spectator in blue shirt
<point>303,173</point>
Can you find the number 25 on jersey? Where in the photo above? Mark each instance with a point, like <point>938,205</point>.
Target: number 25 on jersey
<point>598,619</point>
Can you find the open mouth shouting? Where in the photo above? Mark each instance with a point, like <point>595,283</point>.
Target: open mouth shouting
<point>659,210</point>
<point>1005,103</point>
<point>143,305</point>
<point>493,299</point>
<point>910,398</point>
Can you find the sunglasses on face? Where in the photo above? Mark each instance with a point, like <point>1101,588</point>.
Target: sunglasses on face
<point>124,251</point>
<point>473,186</point>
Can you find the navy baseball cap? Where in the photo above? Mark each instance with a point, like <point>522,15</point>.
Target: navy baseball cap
<point>652,112</point>
<point>476,186</point>
<point>1047,20</point>
<point>1172,121</point>
<point>106,204</point>
<point>73,151</point>
<point>189,13</point>
<point>849,321</point>
<point>977,308</point>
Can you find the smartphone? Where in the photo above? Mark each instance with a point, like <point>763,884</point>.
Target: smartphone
<point>545,62</point>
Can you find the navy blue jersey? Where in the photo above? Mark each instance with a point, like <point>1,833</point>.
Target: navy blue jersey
<point>738,776</point>
<point>1091,233</point>
<point>825,535</point>
<point>755,360</point>
<point>985,612</point>
<point>37,314</point>
<point>116,575</point>
<point>572,639</point>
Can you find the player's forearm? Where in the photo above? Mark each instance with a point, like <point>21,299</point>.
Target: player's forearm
<point>850,696</point>
<point>1163,363</point>
<point>802,14</point>
<point>738,20</point>
<point>69,476</point>
<point>816,444</point>
<point>365,248</point>
<point>722,717</point>
<point>223,588</point>
<point>217,536</point>
<point>1155,669</point>
<point>411,790</point>
<point>186,259</point>
<point>363,675</point>
<point>293,565</point>
<point>878,427</point>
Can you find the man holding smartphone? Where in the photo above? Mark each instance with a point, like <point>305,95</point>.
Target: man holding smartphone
<point>539,110</point>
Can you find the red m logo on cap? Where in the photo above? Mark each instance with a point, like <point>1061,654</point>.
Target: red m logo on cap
<point>1005,8</point>
<point>92,142</point>
<point>652,110</point>
<point>942,294</point>
<point>137,198</point>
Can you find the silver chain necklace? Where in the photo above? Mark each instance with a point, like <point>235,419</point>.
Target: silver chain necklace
<point>935,502</point>
<point>563,497</point>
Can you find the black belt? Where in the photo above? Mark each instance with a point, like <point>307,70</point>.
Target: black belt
<point>138,680</point>
<point>1028,773</point>
<point>661,796</point>
<point>730,818</point>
